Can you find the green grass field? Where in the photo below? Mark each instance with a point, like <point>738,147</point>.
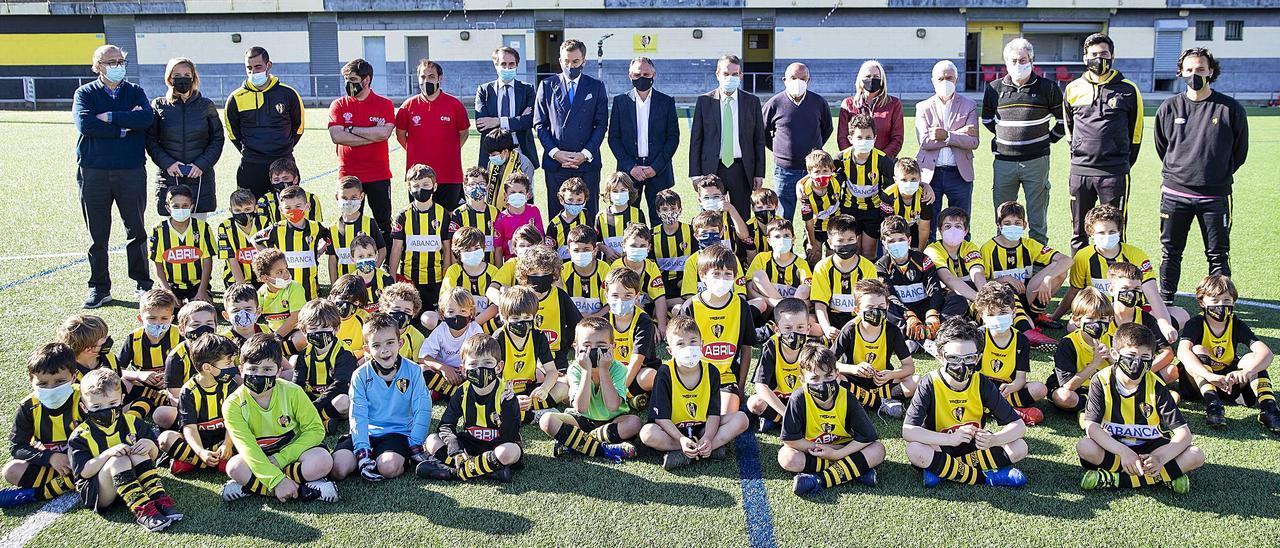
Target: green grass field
<point>1235,498</point>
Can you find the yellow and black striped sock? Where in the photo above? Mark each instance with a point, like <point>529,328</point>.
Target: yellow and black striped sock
<point>140,408</point>
<point>182,451</point>
<point>127,486</point>
<point>1262,390</point>
<point>867,398</point>
<point>953,469</point>
<point>770,415</point>
<point>475,467</point>
<point>294,472</point>
<point>814,465</point>
<point>607,433</point>
<point>256,487</point>
<point>574,438</point>
<point>149,479</point>
<point>56,486</point>
<point>48,483</point>
<point>988,459</point>
<point>844,470</point>
<point>438,383</point>
<point>535,405</point>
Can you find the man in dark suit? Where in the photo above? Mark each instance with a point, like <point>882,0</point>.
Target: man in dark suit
<point>735,154</point>
<point>506,103</point>
<point>644,133</point>
<point>571,116</point>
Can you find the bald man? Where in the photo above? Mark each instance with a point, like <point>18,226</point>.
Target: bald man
<point>796,121</point>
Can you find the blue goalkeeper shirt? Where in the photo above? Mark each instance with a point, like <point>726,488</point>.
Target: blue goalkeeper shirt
<point>378,407</point>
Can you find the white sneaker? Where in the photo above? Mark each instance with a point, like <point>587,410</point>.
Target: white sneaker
<point>232,491</point>
<point>328,491</point>
<point>892,408</point>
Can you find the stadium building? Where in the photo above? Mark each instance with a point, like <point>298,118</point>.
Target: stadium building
<point>46,46</point>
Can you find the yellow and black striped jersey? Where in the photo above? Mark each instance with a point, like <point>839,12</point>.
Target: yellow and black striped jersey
<point>1222,347</point>
<point>89,439</point>
<point>691,285</point>
<point>269,209</point>
<point>477,286</point>
<point>202,407</point>
<point>235,243</point>
<point>318,373</point>
<point>425,235</point>
<point>1017,262</point>
<point>350,332</point>
<point>481,220</point>
<point>785,278</point>
<point>1074,354</point>
<point>489,418</point>
<point>820,208</point>
<point>182,253</point>
<point>961,265</point>
<point>302,246</point>
<point>863,182</point>
<point>38,429</point>
<point>834,287</point>
<point>141,354</point>
<point>496,178</point>
<point>108,361</point>
<point>343,232</point>
<point>892,202</point>
<point>652,283</point>
<point>671,250</point>
<point>586,290</point>
<point>610,225</point>
<point>1147,413</point>
<point>557,235</point>
<point>1089,266</point>
<point>178,368</point>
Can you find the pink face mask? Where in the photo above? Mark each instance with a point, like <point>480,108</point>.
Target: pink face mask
<point>953,236</point>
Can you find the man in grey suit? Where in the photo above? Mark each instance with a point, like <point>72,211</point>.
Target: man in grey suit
<point>644,133</point>
<point>506,103</point>
<point>727,139</point>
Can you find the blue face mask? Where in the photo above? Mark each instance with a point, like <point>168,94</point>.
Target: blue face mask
<point>155,330</point>
<point>496,159</point>
<point>1012,233</point>
<point>708,240</point>
<point>54,398</point>
<point>574,209</point>
<point>507,75</point>
<point>730,83</point>
<point>622,307</point>
<point>573,72</point>
<point>637,254</point>
<point>258,79</point>
<point>517,199</point>
<point>116,74</point>
<point>898,250</point>
<point>366,266</point>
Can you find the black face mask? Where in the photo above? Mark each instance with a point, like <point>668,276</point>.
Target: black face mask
<point>423,194</point>
<point>643,83</point>
<point>1098,65</point>
<point>763,216</point>
<point>708,240</point>
<point>481,377</point>
<point>1133,367</point>
<point>182,84</point>
<point>874,316</point>
<point>225,375</point>
<point>1094,329</point>
<point>573,72</point>
<point>105,417</point>
<point>354,88</point>
<point>385,370</point>
<point>520,328</point>
<point>594,356</point>
<point>321,339</point>
<point>402,319</point>
<point>793,340</point>
<point>541,283</point>
<point>846,251</point>
<point>259,383</point>
<point>279,186</point>
<point>456,322</point>
<point>1195,82</point>
<point>872,85</point>
<point>242,219</point>
<point>958,371</point>
<point>106,346</point>
<point>1218,312</point>
<point>1129,297</point>
<point>821,391</point>
<point>345,308</point>
<point>195,333</point>
<point>428,88</point>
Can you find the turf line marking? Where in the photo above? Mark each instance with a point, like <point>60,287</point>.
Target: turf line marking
<point>38,521</point>
<point>755,502</point>
<point>112,251</point>
<point>1246,302</point>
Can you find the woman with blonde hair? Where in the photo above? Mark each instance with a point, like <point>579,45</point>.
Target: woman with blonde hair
<point>186,139</point>
<point>872,99</point>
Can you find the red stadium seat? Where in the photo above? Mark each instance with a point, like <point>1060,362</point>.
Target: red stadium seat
<point>988,73</point>
<point>1062,74</point>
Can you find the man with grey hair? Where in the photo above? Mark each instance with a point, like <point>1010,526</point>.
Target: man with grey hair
<point>112,117</point>
<point>1024,111</point>
<point>796,121</point>
<point>947,130</point>
<point>644,133</point>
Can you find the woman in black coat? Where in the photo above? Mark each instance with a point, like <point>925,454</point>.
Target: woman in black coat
<point>186,139</point>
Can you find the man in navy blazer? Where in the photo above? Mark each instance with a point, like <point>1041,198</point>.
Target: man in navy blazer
<point>571,116</point>
<point>644,133</point>
<point>506,103</point>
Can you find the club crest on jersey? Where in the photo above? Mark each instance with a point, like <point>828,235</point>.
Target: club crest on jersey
<point>871,357</point>
<point>284,421</point>
<point>417,120</point>
<point>1218,352</point>
<point>279,108</point>
<point>692,409</point>
<point>717,330</point>
<point>1146,410</point>
<point>1111,102</point>
<point>624,350</point>
<point>402,385</point>
<point>997,365</point>
<point>346,117</point>
<point>790,381</point>
<point>958,414</point>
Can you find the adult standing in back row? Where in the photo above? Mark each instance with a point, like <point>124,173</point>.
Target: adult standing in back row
<point>796,121</point>
<point>265,120</point>
<point>1202,136</point>
<point>727,137</point>
<point>360,124</point>
<point>873,100</point>
<point>571,114</point>
<point>432,126</point>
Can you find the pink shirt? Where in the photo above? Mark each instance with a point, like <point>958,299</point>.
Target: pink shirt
<point>507,224</point>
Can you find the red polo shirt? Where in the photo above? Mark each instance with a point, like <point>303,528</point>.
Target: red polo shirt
<point>369,162</point>
<point>432,138</point>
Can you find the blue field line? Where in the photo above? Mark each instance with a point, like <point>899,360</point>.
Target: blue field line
<point>755,502</point>
<point>54,270</point>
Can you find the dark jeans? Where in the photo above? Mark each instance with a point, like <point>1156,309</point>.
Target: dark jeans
<point>254,176</point>
<point>1176,215</point>
<point>1088,191</point>
<point>127,189</point>
<point>948,183</point>
<point>650,188</point>
<point>739,187</point>
<point>378,196</point>
<point>449,196</point>
<point>554,177</point>
<point>785,180</point>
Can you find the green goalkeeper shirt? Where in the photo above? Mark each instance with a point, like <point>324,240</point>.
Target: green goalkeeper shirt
<point>289,426</point>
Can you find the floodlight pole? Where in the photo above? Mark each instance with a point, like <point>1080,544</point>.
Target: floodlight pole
<point>600,56</point>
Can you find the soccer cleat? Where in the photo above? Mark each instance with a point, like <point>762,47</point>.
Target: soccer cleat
<point>1039,340</point>
<point>892,408</point>
<point>718,454</point>
<point>561,451</point>
<point>931,479</point>
<point>617,452</point>
<point>325,489</point>
<point>1270,420</point>
<point>868,478</point>
<point>1005,477</point>
<point>233,491</point>
<point>674,459</point>
<point>1215,415</point>
<point>97,298</point>
<point>434,470</point>
<point>151,519</point>
<point>1044,321</point>
<point>806,484</point>
<point>167,508</point>
<point>177,467</point>
<point>11,497</point>
<point>1181,486</point>
<point>503,474</point>
<point>537,415</point>
<point>1098,479</point>
<point>766,425</point>
<point>1030,415</point>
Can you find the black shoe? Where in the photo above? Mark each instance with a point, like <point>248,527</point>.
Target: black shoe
<point>1215,415</point>
<point>1270,420</point>
<point>308,493</point>
<point>719,453</point>
<point>503,474</point>
<point>432,469</point>
<point>97,298</point>
<point>674,459</point>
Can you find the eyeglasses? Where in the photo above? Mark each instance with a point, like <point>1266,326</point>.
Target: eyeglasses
<point>115,63</point>
<point>967,360</point>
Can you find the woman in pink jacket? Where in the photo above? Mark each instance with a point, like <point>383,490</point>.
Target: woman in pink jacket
<point>873,99</point>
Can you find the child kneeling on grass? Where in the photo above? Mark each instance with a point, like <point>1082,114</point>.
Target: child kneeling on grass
<point>597,422</point>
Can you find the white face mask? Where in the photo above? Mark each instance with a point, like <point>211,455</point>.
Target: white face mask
<point>181,215</point>
<point>1106,241</point>
<point>581,258</point>
<point>944,88</point>
<point>999,323</point>
<point>620,198</point>
<point>687,355</point>
<point>517,199</point>
<point>864,146</point>
<point>349,206</point>
<point>780,245</point>
<point>719,287</point>
<point>473,257</point>
<point>908,187</point>
<point>281,283</point>
<point>1017,71</point>
<point>797,88</point>
<point>712,204</point>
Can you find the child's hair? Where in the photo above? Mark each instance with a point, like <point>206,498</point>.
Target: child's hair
<point>519,178</point>
<point>894,224</point>
<point>959,329</point>
<point>708,219</point>
<point>1104,213</point>
<point>350,288</point>
<point>517,300</point>
<point>779,224</point>
<point>907,166</point>
<point>581,234</point>
<point>1090,302</point>
<point>1011,208</point>
<point>191,309</point>
<point>619,179</point>
<point>420,172</point>
<point>265,260</point>
<point>211,348</point>
<point>82,332</point>
<point>481,346</point>
<point>157,299</point>
<point>239,293</point>
<point>50,359</point>
<point>818,158</point>
<point>180,190</point>
<point>716,257</point>
<point>350,181</point>
<point>401,291</point>
<point>319,314</point>
<point>790,305</point>
<point>681,325</point>
<point>379,321</point>
<point>625,276</point>
<point>291,192</point>
<point>861,121</point>
<point>284,165</point>
<point>467,237</point>
<point>1123,271</point>
<point>243,197</point>
<point>363,240</point>
<point>1216,285</point>
<point>1133,335</point>
<point>457,296</point>
<point>498,140</point>
<point>869,286</point>
<point>666,197</point>
<point>528,234</point>
<point>816,358</point>
<point>638,230</point>
<point>842,223</point>
<point>954,213</point>
<point>476,172</point>
<point>100,382</point>
<point>538,259</point>
<point>261,347</point>
<point>708,181</point>
<point>572,185</point>
<point>764,197</point>
<point>593,324</point>
<point>994,297</point>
